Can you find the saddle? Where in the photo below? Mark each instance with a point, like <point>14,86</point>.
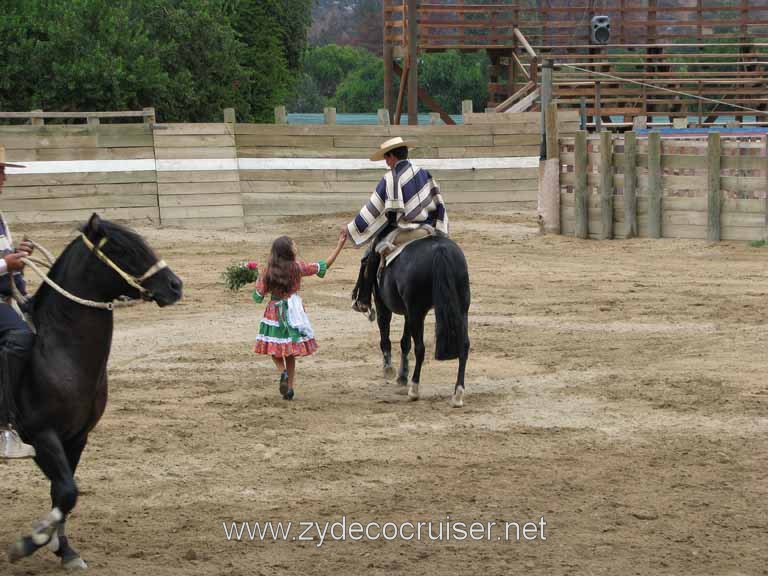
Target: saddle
<point>391,245</point>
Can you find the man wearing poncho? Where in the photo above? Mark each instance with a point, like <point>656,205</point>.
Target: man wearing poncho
<point>408,198</point>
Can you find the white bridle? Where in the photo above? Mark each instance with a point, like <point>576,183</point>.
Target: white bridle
<point>133,281</point>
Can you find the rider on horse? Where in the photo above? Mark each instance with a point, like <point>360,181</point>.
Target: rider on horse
<point>406,198</point>
<point>16,338</point>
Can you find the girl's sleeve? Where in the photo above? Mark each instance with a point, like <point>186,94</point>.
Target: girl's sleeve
<point>310,269</point>
<point>259,292</point>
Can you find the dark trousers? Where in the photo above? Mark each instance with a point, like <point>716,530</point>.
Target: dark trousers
<point>16,341</point>
<point>369,266</point>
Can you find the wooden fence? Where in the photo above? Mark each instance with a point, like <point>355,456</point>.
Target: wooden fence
<point>711,186</point>
<point>228,175</point>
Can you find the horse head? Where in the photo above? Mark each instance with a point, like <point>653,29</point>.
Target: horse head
<point>135,271</point>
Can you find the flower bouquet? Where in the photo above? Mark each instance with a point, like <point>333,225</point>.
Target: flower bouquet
<point>239,274</point>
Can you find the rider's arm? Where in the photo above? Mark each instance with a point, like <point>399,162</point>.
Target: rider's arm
<point>336,251</point>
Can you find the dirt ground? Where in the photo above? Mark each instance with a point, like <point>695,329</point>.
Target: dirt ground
<point>618,389</point>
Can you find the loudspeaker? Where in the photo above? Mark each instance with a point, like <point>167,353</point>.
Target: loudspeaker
<point>600,30</point>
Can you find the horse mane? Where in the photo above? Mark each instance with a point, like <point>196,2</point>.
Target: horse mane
<point>130,242</point>
<point>44,290</point>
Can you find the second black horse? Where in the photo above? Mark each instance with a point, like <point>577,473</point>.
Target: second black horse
<point>428,273</point>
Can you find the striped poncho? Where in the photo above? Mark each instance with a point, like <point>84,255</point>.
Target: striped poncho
<point>407,191</point>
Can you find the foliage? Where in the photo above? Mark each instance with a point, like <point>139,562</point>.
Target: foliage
<point>362,90</point>
<point>352,80</point>
<point>240,274</point>
<point>453,76</point>
<point>187,58</point>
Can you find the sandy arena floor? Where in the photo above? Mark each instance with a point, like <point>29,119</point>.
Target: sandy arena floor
<point>618,389</point>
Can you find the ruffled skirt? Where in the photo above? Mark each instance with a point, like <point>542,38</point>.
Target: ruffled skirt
<point>278,338</point>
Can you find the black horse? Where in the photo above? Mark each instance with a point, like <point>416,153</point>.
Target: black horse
<point>428,273</point>
<point>64,391</point>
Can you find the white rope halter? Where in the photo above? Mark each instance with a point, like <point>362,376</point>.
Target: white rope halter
<point>132,281</point>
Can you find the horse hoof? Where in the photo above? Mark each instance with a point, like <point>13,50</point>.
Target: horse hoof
<point>22,548</point>
<point>402,380</point>
<point>389,372</point>
<point>413,391</point>
<point>76,563</point>
<point>16,552</point>
<point>457,400</point>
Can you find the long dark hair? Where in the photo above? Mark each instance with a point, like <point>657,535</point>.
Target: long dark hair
<point>282,271</point>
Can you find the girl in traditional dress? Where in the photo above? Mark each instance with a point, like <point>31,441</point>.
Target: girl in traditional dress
<point>284,331</point>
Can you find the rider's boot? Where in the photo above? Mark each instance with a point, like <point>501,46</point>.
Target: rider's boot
<point>12,362</point>
<point>363,292</point>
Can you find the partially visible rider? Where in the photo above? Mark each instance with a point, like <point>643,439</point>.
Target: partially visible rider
<point>16,338</point>
<point>406,197</point>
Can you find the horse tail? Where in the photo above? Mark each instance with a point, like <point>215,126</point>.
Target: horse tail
<point>450,315</point>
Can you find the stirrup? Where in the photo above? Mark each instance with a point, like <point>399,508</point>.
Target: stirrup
<point>12,446</point>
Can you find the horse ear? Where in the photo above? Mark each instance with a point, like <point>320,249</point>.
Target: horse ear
<point>92,228</point>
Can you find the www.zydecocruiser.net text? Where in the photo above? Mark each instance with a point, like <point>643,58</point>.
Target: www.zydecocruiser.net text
<point>346,530</point>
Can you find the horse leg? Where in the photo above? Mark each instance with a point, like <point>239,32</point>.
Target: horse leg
<point>52,460</point>
<point>59,544</point>
<point>383,319</point>
<point>405,349</point>
<point>457,400</point>
<point>416,326</point>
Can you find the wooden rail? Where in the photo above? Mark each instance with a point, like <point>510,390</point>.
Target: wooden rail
<point>457,25</point>
<point>713,50</point>
<point>709,187</point>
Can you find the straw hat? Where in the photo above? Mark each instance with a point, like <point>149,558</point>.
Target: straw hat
<point>4,163</point>
<point>390,145</point>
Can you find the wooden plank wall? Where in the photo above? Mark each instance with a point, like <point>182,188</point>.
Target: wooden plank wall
<point>198,180</point>
<point>110,169</point>
<point>276,192</point>
<point>743,184</point>
<point>226,175</point>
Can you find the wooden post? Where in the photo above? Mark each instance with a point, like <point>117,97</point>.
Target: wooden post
<point>229,115</point>
<point>639,123</point>
<point>598,108</point>
<point>549,177</point>
<point>434,118</point>
<point>546,97</point>
<point>281,116</point>
<point>92,122</point>
<point>329,115</point>
<point>388,55</point>
<point>714,197</point>
<point>413,73</point>
<point>606,185</point>
<point>383,116</point>
<point>654,185</point>
<point>466,108</point>
<point>150,117</point>
<point>37,121</point>
<point>552,133</point>
<point>512,70</point>
<point>580,191</point>
<point>630,184</point>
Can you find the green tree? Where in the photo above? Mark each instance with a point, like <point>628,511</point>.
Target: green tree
<point>363,89</point>
<point>78,55</point>
<point>187,58</point>
<point>330,65</point>
<point>452,76</point>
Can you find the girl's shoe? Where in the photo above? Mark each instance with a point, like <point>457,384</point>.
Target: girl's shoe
<point>288,395</point>
<point>284,383</point>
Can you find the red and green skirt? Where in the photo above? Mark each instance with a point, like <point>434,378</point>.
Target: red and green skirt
<point>277,338</point>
